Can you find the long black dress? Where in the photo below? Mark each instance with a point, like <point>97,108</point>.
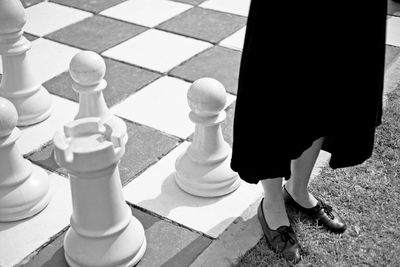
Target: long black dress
<point>309,69</point>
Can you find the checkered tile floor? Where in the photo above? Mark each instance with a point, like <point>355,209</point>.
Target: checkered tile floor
<point>154,50</point>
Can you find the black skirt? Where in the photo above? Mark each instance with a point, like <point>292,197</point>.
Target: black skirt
<point>308,70</point>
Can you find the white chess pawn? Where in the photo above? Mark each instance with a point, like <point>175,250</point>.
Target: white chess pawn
<point>103,231</point>
<point>87,70</point>
<point>204,168</point>
<point>19,84</point>
<point>24,188</point>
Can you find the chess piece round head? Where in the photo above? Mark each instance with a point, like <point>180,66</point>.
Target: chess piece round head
<point>87,68</point>
<point>12,16</point>
<point>206,97</point>
<point>8,117</point>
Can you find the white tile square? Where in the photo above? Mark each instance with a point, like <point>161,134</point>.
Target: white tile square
<point>162,196</point>
<point>46,17</point>
<point>161,105</point>
<point>235,41</point>
<point>147,13</point>
<point>49,58</point>
<point>157,50</point>
<point>33,137</point>
<point>238,7</point>
<point>19,239</point>
<point>393,31</point>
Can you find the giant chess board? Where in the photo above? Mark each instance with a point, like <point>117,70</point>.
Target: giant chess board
<point>153,51</point>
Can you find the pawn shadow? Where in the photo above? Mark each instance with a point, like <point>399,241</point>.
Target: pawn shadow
<point>172,197</point>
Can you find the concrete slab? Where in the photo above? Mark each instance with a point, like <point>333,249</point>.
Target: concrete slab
<point>95,6</point>
<point>28,3</point>
<point>168,244</point>
<point>157,50</point>
<point>218,62</point>
<point>204,24</point>
<point>138,156</point>
<point>391,55</point>
<point>19,238</point>
<point>393,8</point>
<point>106,31</point>
<point>210,216</point>
<point>122,80</point>
<point>147,13</point>
<point>45,17</point>
<point>191,2</point>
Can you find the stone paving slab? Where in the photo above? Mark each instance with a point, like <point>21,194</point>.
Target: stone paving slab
<point>393,8</point>
<point>168,245</point>
<point>138,155</point>
<point>122,81</point>
<point>107,32</point>
<point>217,62</point>
<point>95,6</point>
<point>204,24</point>
<point>392,53</point>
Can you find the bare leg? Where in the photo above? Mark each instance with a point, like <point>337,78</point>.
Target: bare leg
<point>301,169</point>
<point>274,205</point>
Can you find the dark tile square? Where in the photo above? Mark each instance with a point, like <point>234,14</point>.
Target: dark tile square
<point>392,53</point>
<point>96,33</point>
<point>218,62</point>
<point>204,24</point>
<point>393,8</point>
<point>30,37</point>
<point>191,2</point>
<point>145,147</point>
<point>28,3</point>
<point>94,6</point>
<point>167,245</point>
<point>122,81</point>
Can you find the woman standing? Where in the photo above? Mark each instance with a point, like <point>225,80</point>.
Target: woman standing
<point>311,77</point>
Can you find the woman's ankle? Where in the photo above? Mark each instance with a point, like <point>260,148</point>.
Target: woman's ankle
<point>275,214</point>
<point>301,195</point>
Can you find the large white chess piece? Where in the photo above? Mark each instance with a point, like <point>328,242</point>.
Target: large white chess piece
<point>24,188</point>
<point>103,231</point>
<point>204,168</point>
<point>87,70</point>
<point>19,84</point>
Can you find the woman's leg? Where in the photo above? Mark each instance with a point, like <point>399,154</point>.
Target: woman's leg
<point>301,169</point>
<point>273,204</point>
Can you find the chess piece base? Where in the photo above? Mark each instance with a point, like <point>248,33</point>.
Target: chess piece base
<point>123,248</point>
<point>25,200</point>
<point>34,108</point>
<point>206,180</point>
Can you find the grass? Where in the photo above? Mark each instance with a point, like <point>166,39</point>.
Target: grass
<point>367,196</point>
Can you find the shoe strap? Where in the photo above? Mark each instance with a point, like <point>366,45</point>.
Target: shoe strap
<point>286,234</point>
<point>326,208</point>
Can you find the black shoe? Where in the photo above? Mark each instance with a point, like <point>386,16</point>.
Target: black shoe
<point>282,240</point>
<point>322,213</point>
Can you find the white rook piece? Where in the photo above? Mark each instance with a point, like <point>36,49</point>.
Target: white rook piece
<point>103,231</point>
<point>87,70</point>
<point>204,168</point>
<point>18,84</point>
<point>24,188</point>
